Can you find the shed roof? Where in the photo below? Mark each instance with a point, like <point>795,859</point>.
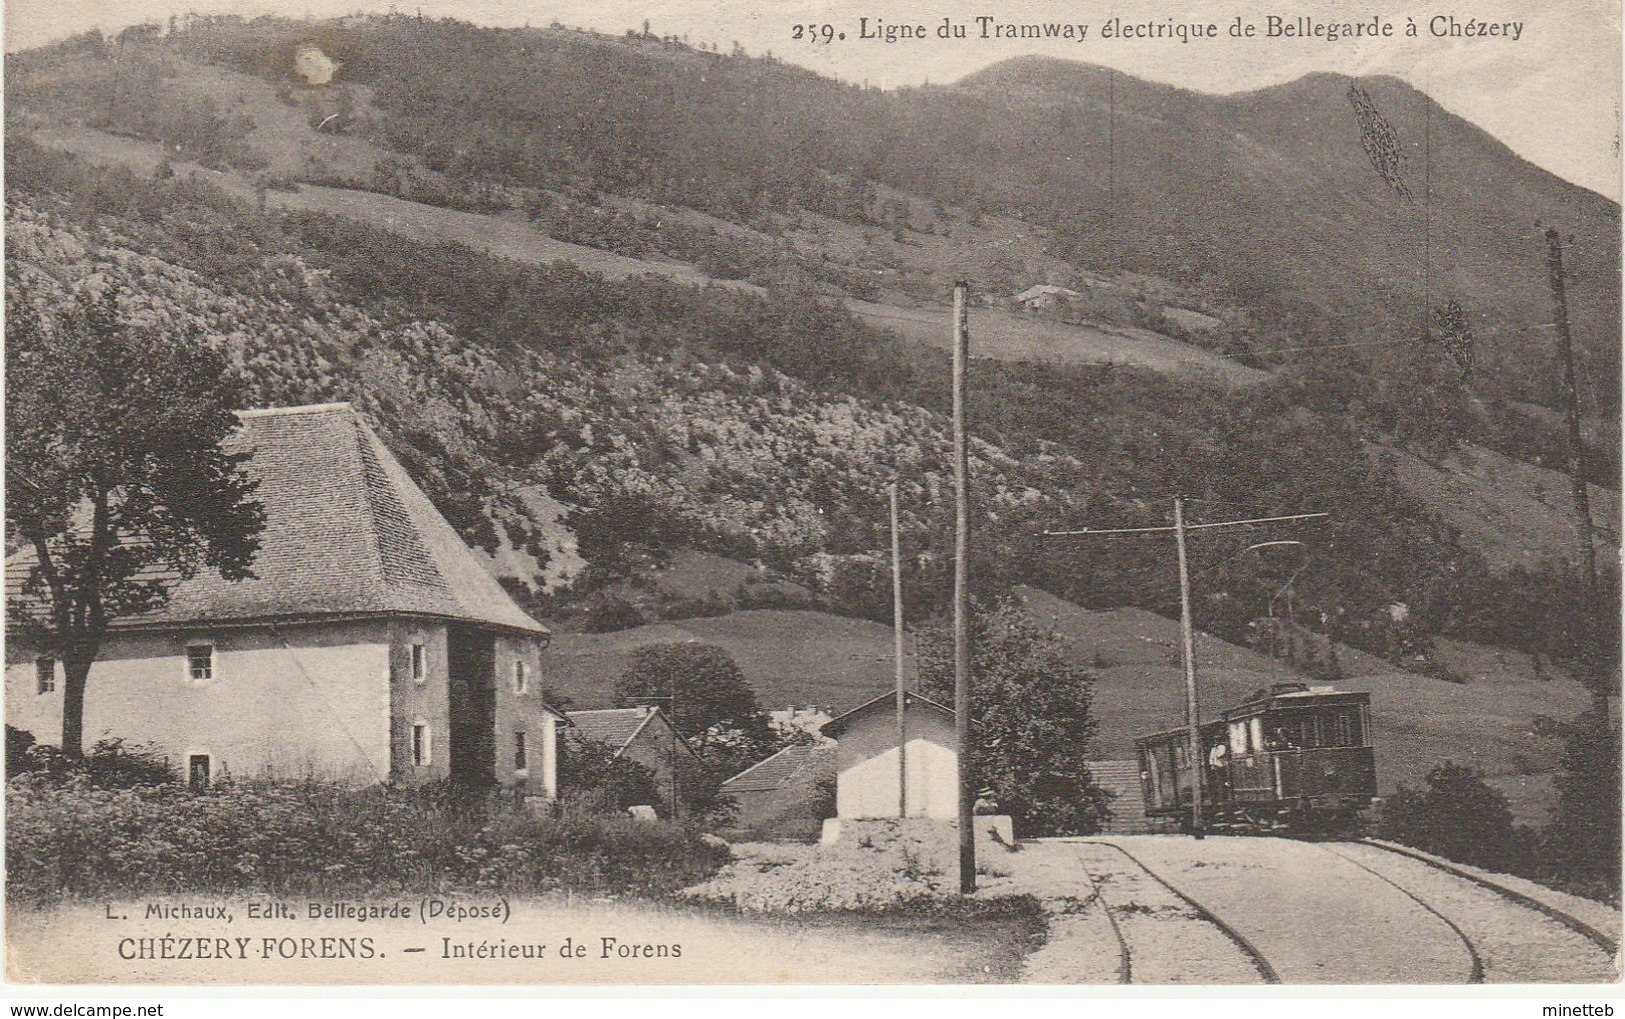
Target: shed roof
<point>885,702</point>
<point>789,766</point>
<point>347,532</point>
<point>619,727</point>
<point>1046,290</point>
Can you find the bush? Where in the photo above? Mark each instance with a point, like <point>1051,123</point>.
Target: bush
<point>111,763</point>
<point>593,780</point>
<point>1458,817</point>
<point>610,614</point>
<point>69,838</point>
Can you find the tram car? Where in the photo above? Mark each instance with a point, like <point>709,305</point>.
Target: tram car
<point>1291,758</point>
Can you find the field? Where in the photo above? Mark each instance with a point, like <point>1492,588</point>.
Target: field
<point>804,657</point>
<point>791,657</point>
<point>1009,336</point>
<point>998,334</point>
<point>1487,722</point>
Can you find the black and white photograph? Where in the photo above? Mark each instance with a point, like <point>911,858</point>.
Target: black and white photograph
<point>1078,494</point>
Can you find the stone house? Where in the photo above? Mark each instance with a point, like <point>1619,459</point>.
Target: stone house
<point>370,646</point>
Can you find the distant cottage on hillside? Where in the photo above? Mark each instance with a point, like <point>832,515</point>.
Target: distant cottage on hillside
<point>1044,296</point>
<point>371,645</point>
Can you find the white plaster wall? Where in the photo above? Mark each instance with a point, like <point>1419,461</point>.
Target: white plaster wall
<point>867,783</point>
<point>868,789</point>
<point>317,705</point>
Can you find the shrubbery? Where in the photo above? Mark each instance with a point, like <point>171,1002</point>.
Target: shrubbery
<point>1458,817</point>
<point>110,764</point>
<point>70,838</point>
<point>1461,817</point>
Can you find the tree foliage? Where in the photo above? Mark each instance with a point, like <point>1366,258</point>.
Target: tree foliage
<point>702,690</point>
<point>1583,842</point>
<point>593,779</point>
<point>1458,816</point>
<point>118,484</point>
<point>1032,725</point>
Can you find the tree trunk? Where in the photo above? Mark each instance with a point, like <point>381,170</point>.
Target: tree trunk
<point>75,671</point>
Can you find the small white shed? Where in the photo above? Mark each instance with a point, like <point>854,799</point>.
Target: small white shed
<point>867,767</point>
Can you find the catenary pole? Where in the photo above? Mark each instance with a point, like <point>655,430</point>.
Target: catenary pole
<point>897,639</point>
<point>1571,409</point>
<point>1193,717</point>
<point>967,836</point>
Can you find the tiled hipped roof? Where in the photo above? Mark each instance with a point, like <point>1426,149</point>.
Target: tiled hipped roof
<point>347,532</point>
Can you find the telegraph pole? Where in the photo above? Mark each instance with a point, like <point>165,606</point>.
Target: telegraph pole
<point>1193,721</point>
<point>897,637</point>
<point>967,835</point>
<point>1192,710</point>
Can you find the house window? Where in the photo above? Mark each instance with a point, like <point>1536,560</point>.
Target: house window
<point>200,662</point>
<point>521,757</point>
<point>422,747</point>
<point>521,677</point>
<point>419,673</point>
<point>197,772</point>
<point>45,673</point>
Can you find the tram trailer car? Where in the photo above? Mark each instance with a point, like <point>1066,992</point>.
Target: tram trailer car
<point>1290,758</point>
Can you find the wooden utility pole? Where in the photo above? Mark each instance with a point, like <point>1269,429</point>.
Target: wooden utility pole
<point>967,835</point>
<point>1193,720</point>
<point>1571,409</point>
<point>1187,638</point>
<point>897,637</point>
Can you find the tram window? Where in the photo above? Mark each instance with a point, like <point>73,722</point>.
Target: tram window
<point>1238,737</point>
<point>1311,732</point>
<point>1345,729</point>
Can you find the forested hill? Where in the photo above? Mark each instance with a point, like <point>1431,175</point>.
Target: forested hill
<point>762,423</point>
<point>1265,201</point>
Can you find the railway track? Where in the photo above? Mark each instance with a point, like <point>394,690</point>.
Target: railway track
<point>1601,939</point>
<point>1312,911</point>
<point>1475,973</point>
<point>1509,936</point>
<point>1125,958</point>
<point>1255,957</point>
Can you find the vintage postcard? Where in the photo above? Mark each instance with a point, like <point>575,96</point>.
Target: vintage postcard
<point>1058,492</point>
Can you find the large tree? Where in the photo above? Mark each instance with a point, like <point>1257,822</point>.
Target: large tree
<point>1030,705</point>
<point>118,481</point>
<point>706,695</point>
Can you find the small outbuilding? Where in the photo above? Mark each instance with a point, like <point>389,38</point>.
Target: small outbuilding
<point>786,795</point>
<point>643,734</point>
<point>867,766</point>
<point>1044,297</point>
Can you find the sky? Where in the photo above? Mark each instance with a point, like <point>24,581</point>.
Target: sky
<point>1552,94</point>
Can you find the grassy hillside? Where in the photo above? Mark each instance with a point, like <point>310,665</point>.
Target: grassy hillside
<point>811,658</point>
<point>480,290</point>
<point>791,657</point>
